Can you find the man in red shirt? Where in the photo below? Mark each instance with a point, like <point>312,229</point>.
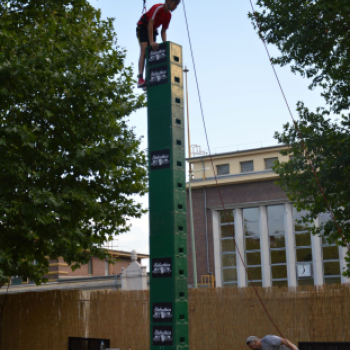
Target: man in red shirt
<point>146,31</point>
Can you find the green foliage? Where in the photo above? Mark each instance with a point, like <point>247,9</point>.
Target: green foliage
<point>314,36</point>
<point>328,145</point>
<point>69,161</point>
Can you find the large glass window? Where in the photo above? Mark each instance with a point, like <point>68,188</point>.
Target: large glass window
<point>277,243</point>
<point>252,245</point>
<point>329,262</point>
<point>228,249</point>
<point>330,256</point>
<point>303,249</point>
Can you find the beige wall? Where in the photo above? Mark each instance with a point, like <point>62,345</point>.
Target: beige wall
<point>234,159</point>
<point>219,318</point>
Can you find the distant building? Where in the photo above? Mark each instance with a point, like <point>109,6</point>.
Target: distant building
<point>58,269</point>
<point>96,275</point>
<point>277,250</point>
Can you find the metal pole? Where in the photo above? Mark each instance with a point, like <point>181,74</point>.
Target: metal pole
<point>193,242</point>
<point>192,235</point>
<point>188,120</point>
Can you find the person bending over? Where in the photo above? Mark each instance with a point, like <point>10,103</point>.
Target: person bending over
<point>270,342</point>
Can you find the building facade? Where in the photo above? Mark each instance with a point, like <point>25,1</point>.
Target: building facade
<point>96,274</point>
<point>59,269</point>
<point>276,248</point>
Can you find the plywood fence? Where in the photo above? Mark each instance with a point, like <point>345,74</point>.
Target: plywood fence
<point>220,318</point>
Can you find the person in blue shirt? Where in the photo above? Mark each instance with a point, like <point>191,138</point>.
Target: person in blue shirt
<point>270,342</point>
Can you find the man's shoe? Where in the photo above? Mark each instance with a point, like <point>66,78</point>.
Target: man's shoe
<point>141,83</point>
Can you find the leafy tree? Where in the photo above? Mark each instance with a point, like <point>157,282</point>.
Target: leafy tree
<point>314,36</point>
<point>69,161</point>
<point>327,144</point>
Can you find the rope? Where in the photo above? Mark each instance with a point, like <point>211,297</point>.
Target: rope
<point>216,180</point>
<point>144,7</point>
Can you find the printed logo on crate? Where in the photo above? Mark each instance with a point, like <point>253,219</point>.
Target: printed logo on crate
<point>159,56</point>
<point>160,159</point>
<point>162,312</point>
<point>161,267</point>
<point>157,76</point>
<point>162,335</point>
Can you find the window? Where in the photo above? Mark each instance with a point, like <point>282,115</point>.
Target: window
<point>106,268</point>
<point>223,169</point>
<point>330,256</point>
<point>277,244</point>
<point>270,162</point>
<point>303,249</point>
<point>252,245</point>
<point>90,267</point>
<point>228,251</point>
<point>16,280</point>
<point>247,167</point>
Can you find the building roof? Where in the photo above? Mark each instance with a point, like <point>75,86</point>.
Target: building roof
<point>121,253</point>
<point>235,153</point>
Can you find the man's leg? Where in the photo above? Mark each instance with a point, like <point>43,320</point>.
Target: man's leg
<point>143,46</point>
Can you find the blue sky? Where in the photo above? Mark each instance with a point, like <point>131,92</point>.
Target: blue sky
<point>242,103</point>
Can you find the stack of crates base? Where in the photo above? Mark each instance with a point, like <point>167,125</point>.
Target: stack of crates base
<point>167,199</point>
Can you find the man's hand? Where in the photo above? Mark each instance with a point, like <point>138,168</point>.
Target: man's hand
<point>154,45</point>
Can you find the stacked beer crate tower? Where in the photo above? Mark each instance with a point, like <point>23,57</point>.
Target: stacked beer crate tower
<point>167,199</point>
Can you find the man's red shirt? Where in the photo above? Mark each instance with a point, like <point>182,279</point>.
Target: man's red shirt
<point>158,15</point>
